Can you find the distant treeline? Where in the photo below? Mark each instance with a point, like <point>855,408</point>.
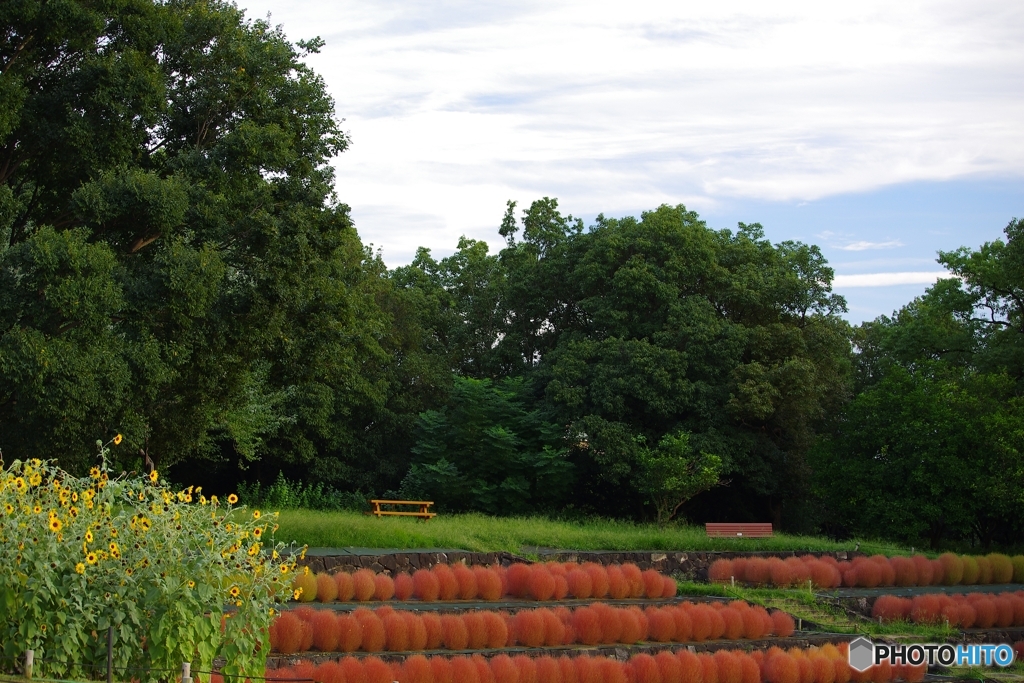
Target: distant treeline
<point>175,267</point>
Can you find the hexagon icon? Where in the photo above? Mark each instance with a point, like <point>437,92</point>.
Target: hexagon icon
<point>862,654</point>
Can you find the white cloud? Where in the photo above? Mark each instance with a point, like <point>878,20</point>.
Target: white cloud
<point>888,279</point>
<point>864,246</point>
<point>455,107</point>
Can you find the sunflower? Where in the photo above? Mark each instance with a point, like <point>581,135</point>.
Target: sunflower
<point>257,532</point>
<point>153,476</point>
<point>145,524</point>
<point>56,525</point>
<point>36,479</point>
<point>256,514</point>
<point>74,496</point>
<point>235,592</point>
<point>94,472</point>
<point>253,549</point>
<point>191,584</point>
<point>73,511</point>
<point>296,593</point>
<point>88,536</point>
<point>117,440</point>
<point>92,558</point>
<point>9,509</point>
<point>19,485</point>
<point>284,569</point>
<point>232,499</point>
<point>37,508</point>
<point>79,568</point>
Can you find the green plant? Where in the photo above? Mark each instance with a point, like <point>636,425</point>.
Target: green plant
<point>285,494</point>
<point>157,566</point>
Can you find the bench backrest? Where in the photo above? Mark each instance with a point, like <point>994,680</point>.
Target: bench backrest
<point>739,529</point>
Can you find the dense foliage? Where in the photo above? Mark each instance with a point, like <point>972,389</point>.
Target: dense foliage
<point>175,266</point>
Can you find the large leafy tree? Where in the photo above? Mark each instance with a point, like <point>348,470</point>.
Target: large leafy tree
<point>173,263</point>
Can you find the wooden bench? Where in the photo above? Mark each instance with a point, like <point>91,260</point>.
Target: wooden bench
<point>423,513</point>
<point>738,530</point>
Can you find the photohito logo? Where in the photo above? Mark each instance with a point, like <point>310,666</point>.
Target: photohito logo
<point>864,654</point>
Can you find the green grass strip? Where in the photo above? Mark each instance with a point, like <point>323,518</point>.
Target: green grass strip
<point>481,533</point>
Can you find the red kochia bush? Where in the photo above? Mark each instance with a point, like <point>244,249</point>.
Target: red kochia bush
<point>599,580</point>
<point>374,671</point>
<point>326,588</point>
<point>417,669</point>
<point>701,620</point>
<point>925,609</point>
<point>635,578</point>
<point>891,608</point>
<point>464,670</point>
<point>669,667</point>
<point>363,585</point>
<point>758,571</point>
<point>346,591</point>
<point>554,629</point>
<point>289,633</point>
<point>497,630</point>
<point>779,572</point>
<point>417,630</point>
<point>653,584</point>
<point>923,570</point>
<point>661,626</point>
<point>541,583</point>
<point>383,587</point>
<point>441,667</point>
<point>527,668</point>
<point>631,627</point>
<point>404,587</point>
<point>906,573</point>
<point>721,571</point>
<point>504,669</point>
<point>669,587</point>
<point>580,585</point>
<point>561,587</point>
<point>396,632</point>
<point>528,626</point>
<point>374,638</point>
<point>729,668</point>
<point>518,575</point>
<point>684,626</point>
<point>456,635</point>
<point>751,671</point>
<point>425,585</point>
<point>587,625</point>
<point>888,573</point>
<point>618,584</point>
<point>488,584</point>
<point>708,668</point>
<point>435,634</point>
<point>753,624</point>
<point>476,628</point>
<point>447,584</point>
<point>690,665</point>
<point>329,672</point>
<point>733,623</point>
<point>783,624</point>
<point>984,613</point>
<point>350,633</point>
<point>325,630</point>
<point>644,669</point>
<point>869,574</point>
<point>953,567</point>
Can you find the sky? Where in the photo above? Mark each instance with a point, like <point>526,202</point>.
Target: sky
<point>882,132</point>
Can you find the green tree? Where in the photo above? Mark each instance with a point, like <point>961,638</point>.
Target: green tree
<point>174,263</point>
<point>673,473</point>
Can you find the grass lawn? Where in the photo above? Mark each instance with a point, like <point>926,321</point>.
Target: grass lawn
<point>480,533</point>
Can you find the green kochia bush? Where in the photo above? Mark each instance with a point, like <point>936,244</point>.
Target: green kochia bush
<point>79,555</point>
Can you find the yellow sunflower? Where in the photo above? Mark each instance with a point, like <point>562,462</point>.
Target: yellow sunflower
<point>94,472</point>
<point>56,525</point>
<point>88,537</point>
<point>256,514</point>
<point>257,532</point>
<point>232,499</point>
<point>117,440</point>
<point>92,558</point>
<point>296,593</point>
<point>234,591</point>
<point>19,485</point>
<point>36,479</point>
<point>153,476</point>
<point>79,568</point>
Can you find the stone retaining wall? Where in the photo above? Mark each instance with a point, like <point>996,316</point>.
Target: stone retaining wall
<point>688,565</point>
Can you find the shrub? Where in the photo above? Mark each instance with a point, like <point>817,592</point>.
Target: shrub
<point>984,613</point>
<point>690,665</point>
<point>1004,611</point>
<point>891,608</point>
<point>396,632</point>
<point>721,571</point>
<point>497,630</point>
<point>938,573</point>
<point>708,668</point>
<point>541,583</point>
<point>447,584</point>
<point>635,579</point>
<point>464,670</point>
<point>1002,568</point>
<point>925,609</point>
<point>923,570</point>
<point>953,569</point>
<point>906,572</point>
<point>700,620</point>
<point>417,669</point>
<point>504,669</point>
<point>824,671</point>
<point>757,571</point>
<point>661,626</point>
<point>669,667</point>
<point>404,587</point>
<point>417,630</point>
<point>580,585</point>
<point>782,668</point>
<point>435,633</point>
<point>476,628</point>
<point>733,623</point>
<point>373,636</point>
<point>644,669</point>
<point>968,615</point>
<point>350,633</point>
<point>554,629</point>
<point>984,569</point>
<point>782,624</point>
<point>1018,568</point>
<point>363,585</point>
<point>488,584</point>
<point>587,625</point>
<point>305,584</point>
<point>869,574</point>
<point>801,573</point>
<point>528,626</point>
<point>326,588</point>
<point>730,670</point>
<point>373,669</point>
<point>346,591</point>
<point>780,573</point>
<point>653,583</point>
<point>456,635</point>
<point>383,587</point>
<point>325,630</point>
<point>289,633</point>
<point>971,571</point>
<point>888,572</point>
<point>425,585</point>
<point>467,582</point>
<point>630,627</point>
<point>753,625</point>
<point>441,668</point>
<point>518,579</point>
<point>618,584</point>
<point>684,625</point>
<point>599,580</point>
